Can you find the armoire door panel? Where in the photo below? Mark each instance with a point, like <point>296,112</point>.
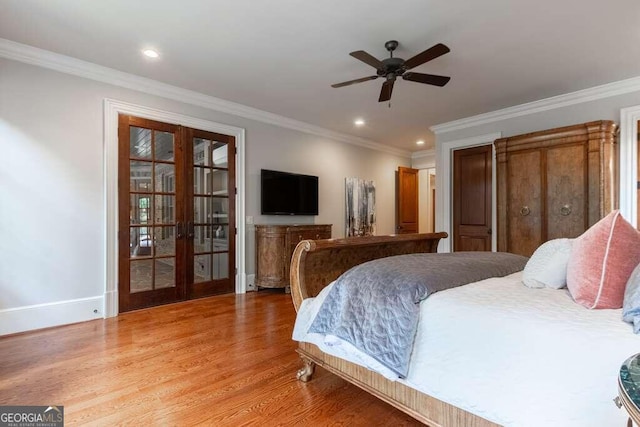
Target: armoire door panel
<point>554,183</point>
<point>566,191</point>
<point>524,206</point>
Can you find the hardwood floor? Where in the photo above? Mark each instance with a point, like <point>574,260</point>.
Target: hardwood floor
<point>224,360</point>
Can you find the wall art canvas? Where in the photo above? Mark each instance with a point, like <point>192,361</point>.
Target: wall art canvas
<point>360,207</point>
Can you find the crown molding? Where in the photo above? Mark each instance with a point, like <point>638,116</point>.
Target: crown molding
<point>423,153</point>
<point>585,95</point>
<point>66,64</point>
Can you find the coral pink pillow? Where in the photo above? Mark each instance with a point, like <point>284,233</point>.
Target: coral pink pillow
<point>601,261</point>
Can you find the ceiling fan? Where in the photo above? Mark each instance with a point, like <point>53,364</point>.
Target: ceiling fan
<point>391,68</point>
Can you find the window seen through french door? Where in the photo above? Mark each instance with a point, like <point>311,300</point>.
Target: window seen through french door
<point>176,191</point>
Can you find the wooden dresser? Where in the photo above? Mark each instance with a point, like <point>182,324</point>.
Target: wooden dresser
<point>274,247</point>
<point>554,183</point>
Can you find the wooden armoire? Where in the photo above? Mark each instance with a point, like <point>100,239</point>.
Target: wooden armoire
<point>554,183</point>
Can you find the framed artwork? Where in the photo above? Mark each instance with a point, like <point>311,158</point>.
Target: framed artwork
<point>360,205</point>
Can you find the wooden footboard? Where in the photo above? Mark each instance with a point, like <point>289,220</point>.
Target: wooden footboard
<point>315,264</point>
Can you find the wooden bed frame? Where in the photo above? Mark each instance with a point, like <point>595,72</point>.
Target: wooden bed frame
<point>315,264</point>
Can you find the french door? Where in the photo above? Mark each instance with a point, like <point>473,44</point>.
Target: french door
<point>176,191</point>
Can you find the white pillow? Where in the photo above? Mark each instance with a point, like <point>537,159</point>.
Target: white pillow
<point>631,306</point>
<point>547,267</point>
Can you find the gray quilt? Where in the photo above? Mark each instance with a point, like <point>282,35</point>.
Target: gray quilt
<point>374,306</point>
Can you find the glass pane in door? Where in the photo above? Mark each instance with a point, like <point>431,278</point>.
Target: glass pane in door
<point>219,156</point>
<point>219,182</point>
<point>140,176</point>
<point>164,146</point>
<point>139,143</point>
<point>202,268</point>
<point>165,273</point>
<point>221,266</point>
<point>141,275</point>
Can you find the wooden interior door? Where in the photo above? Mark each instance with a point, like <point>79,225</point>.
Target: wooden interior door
<point>407,202</point>
<point>176,218</point>
<point>210,213</point>
<point>472,177</point>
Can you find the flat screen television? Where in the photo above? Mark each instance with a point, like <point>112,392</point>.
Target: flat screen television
<point>284,193</point>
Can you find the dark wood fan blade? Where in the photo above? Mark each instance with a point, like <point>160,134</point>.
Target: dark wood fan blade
<point>426,56</point>
<point>430,79</point>
<point>385,92</point>
<point>367,59</point>
<point>351,82</point>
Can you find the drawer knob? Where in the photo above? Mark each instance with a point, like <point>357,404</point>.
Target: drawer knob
<point>525,211</point>
<point>617,402</point>
<point>565,210</point>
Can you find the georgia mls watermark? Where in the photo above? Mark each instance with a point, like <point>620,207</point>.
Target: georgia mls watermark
<point>31,416</point>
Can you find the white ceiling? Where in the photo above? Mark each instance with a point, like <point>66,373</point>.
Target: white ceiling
<point>281,56</point>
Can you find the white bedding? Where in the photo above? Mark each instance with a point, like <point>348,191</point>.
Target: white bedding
<point>513,355</point>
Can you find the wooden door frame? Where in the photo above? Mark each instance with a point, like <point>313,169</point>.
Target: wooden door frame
<point>111,110</point>
<point>628,163</point>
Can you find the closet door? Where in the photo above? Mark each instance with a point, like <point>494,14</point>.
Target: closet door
<point>472,177</point>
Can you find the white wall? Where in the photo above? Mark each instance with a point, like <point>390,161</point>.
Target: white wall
<point>424,200</point>
<point>52,196</point>
<point>602,109</point>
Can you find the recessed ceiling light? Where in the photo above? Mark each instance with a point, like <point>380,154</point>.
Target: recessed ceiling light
<point>358,122</point>
<point>150,53</point>
<point>420,142</point>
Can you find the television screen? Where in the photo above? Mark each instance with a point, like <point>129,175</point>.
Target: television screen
<point>284,193</point>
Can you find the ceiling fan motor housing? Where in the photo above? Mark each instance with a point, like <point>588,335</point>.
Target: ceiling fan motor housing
<point>392,65</point>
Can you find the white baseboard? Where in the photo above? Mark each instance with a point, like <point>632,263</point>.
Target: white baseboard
<point>251,282</point>
<point>21,319</point>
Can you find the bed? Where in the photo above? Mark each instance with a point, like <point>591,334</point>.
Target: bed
<point>479,378</point>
